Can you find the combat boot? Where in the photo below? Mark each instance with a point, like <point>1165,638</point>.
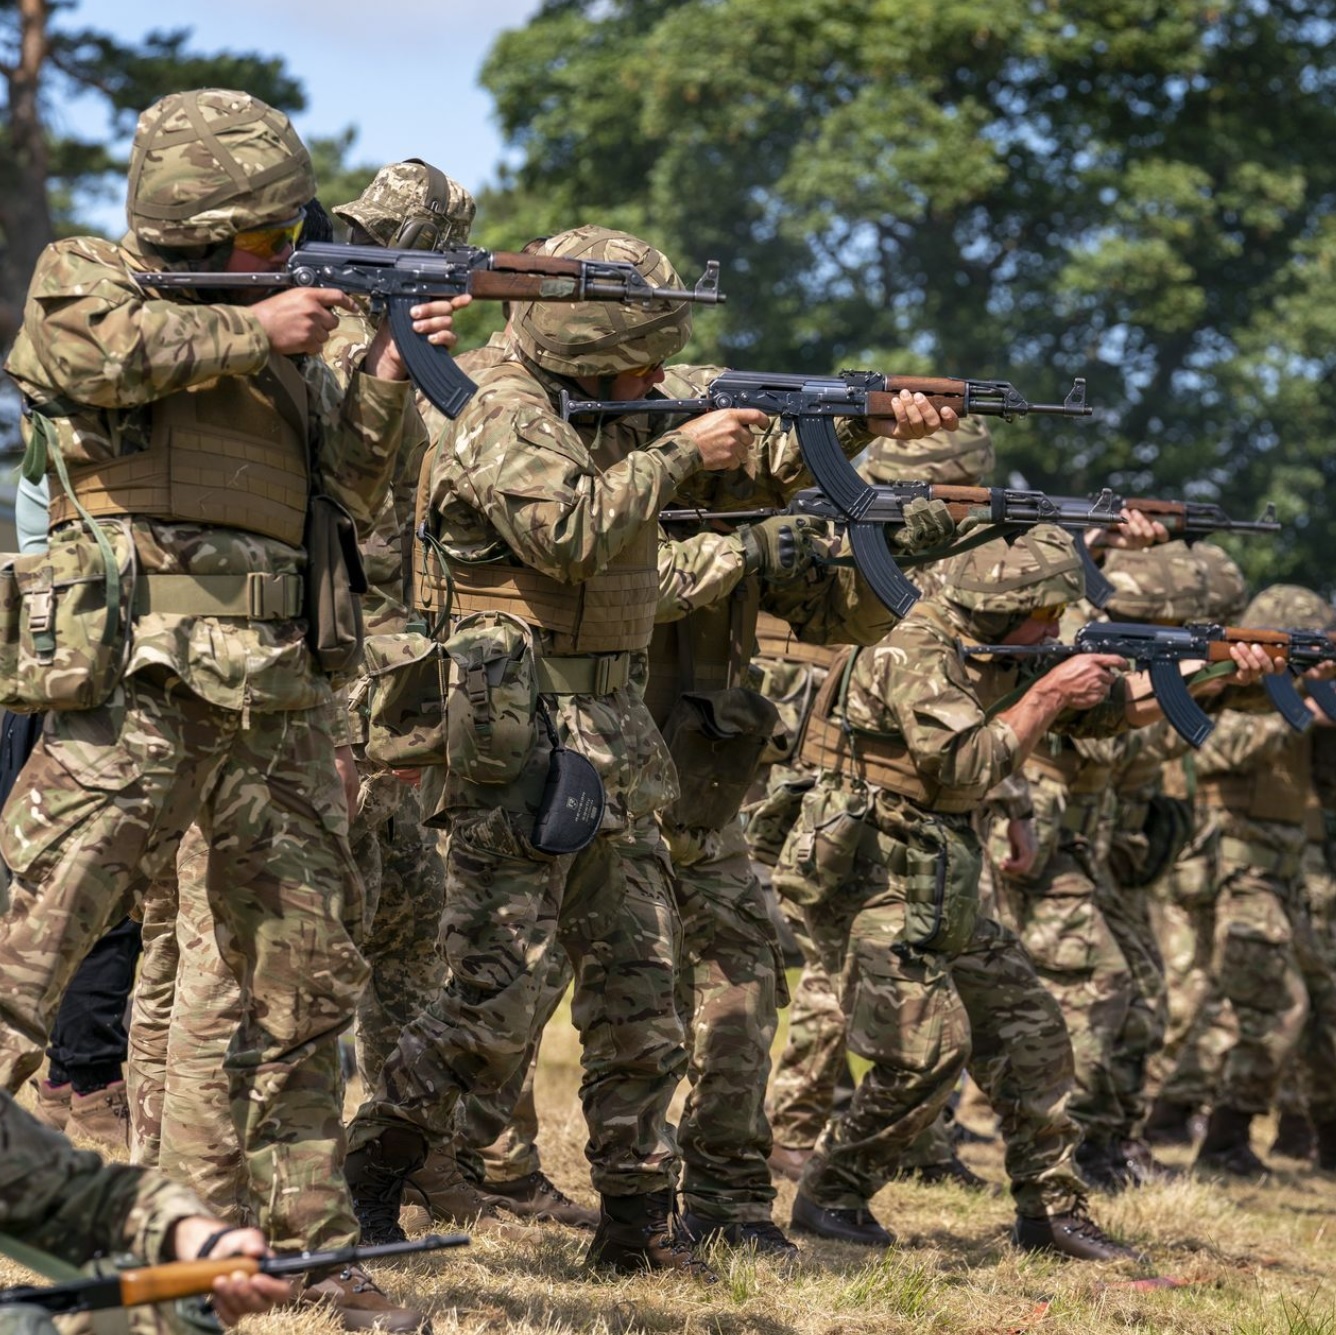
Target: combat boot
<point>102,1117</point>
<point>788,1162</point>
<point>355,1301</point>
<point>1142,1168</point>
<point>376,1174</point>
<point>1294,1137</point>
<point>1072,1233</point>
<point>635,1233</point>
<point>1102,1166</point>
<point>952,1171</point>
<point>53,1104</point>
<point>1325,1135</point>
<point>1227,1148</point>
<point>439,1187</point>
<point>1169,1123</point>
<point>538,1198</point>
<point>763,1236</point>
<point>839,1225</point>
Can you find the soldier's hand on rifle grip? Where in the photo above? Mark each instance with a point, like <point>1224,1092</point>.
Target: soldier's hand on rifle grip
<point>238,1294</point>
<point>724,437</point>
<point>915,417</point>
<point>432,319</point>
<point>1084,680</point>
<point>298,320</point>
<point>1135,533</point>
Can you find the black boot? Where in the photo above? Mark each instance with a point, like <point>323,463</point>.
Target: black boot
<point>1169,1123</point>
<point>376,1174</point>
<point>947,1172</point>
<point>635,1233</point>
<point>1142,1168</point>
<point>858,1225</point>
<point>1227,1148</point>
<point>1102,1165</point>
<point>1325,1134</point>
<point>1294,1137</point>
<point>763,1236</point>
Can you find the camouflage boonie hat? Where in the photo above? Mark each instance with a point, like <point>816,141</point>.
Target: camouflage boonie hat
<point>1038,569</point>
<point>209,163</point>
<point>596,338</point>
<point>1167,582</point>
<point>1226,588</point>
<point>961,458</point>
<point>412,205</point>
<point>1289,607</point>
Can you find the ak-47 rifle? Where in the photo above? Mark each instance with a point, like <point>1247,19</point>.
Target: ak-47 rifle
<point>1184,519</point>
<point>185,1279</point>
<point>1159,650</point>
<point>397,280</point>
<point>1008,509</point>
<point>811,403</point>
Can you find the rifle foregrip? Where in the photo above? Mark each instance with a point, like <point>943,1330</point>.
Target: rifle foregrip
<point>927,384</point>
<point>179,1279</point>
<point>433,369</point>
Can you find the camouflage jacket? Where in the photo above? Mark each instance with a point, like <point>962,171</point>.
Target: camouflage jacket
<point>99,353</point>
<point>69,1203</point>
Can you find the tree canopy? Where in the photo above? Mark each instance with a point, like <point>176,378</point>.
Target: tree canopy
<point>1137,191</point>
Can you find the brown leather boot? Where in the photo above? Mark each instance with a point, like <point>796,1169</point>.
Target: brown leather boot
<point>635,1233</point>
<point>102,1117</point>
<point>538,1198</point>
<point>358,1304</point>
<point>53,1104</point>
<point>440,1189</point>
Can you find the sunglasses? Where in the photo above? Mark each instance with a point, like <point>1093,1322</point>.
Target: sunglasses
<point>1049,615</point>
<point>645,372</point>
<point>268,243</point>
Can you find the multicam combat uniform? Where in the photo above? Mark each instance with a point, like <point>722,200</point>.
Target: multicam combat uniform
<point>221,715</point>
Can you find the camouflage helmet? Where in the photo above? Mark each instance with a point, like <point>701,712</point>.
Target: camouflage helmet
<point>957,458</point>
<point>412,205</point>
<point>1289,607</point>
<point>1166,582</point>
<point>209,163</point>
<point>597,338</point>
<point>1226,587</point>
<point>1040,568</point>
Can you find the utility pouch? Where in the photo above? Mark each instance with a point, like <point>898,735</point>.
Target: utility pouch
<point>407,676</point>
<point>335,582</point>
<point>818,857</point>
<point>716,739</point>
<point>571,811</point>
<point>1164,835</point>
<point>941,888</point>
<point>770,818</point>
<point>64,621</point>
<point>492,702</point>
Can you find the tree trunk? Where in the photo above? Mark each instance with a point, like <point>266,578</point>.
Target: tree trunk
<point>25,216</point>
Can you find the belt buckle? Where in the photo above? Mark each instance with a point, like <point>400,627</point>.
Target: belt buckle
<point>603,675</point>
<point>256,604</point>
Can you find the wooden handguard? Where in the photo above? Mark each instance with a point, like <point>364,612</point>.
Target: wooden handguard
<point>180,1279</point>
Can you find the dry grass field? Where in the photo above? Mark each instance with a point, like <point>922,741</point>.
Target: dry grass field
<point>1220,1260</point>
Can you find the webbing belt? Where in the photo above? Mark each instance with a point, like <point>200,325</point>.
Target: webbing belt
<point>588,674</point>
<point>257,596</point>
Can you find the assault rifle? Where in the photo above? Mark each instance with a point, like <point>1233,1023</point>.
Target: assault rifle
<point>1159,650</point>
<point>1183,519</point>
<point>811,403</point>
<point>1012,510</point>
<point>397,280</point>
<point>185,1279</point>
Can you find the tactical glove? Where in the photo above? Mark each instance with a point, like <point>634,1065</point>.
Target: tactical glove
<point>928,524</point>
<point>780,548</point>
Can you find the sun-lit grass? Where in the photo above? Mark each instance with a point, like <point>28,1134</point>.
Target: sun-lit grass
<point>1248,1259</point>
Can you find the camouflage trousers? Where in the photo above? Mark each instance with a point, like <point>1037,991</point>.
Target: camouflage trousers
<point>101,809</point>
<point>731,985</point>
<point>1127,913</point>
<point>920,1018</point>
<point>1271,968</point>
<point>1081,964</point>
<point>507,908</point>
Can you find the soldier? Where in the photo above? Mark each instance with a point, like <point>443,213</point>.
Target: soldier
<point>158,409</point>
<point>910,736</point>
<point>1256,773</point>
<point>556,527</point>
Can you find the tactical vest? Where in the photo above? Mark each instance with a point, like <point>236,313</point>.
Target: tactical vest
<point>233,453</point>
<point>1276,791</point>
<point>706,650</point>
<point>775,639</point>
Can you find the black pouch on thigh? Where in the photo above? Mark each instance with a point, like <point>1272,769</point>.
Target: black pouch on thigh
<point>716,739</point>
<point>571,811</point>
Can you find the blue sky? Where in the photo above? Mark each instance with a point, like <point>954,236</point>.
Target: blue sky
<point>405,72</point>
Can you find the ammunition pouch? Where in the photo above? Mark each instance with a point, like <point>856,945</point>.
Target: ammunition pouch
<point>407,676</point>
<point>335,582</point>
<point>939,876</point>
<point>492,700</point>
<point>716,739</point>
<point>817,860</point>
<point>64,620</point>
<point>770,818</point>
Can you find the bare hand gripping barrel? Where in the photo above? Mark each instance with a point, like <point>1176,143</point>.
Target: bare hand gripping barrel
<point>397,280</point>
